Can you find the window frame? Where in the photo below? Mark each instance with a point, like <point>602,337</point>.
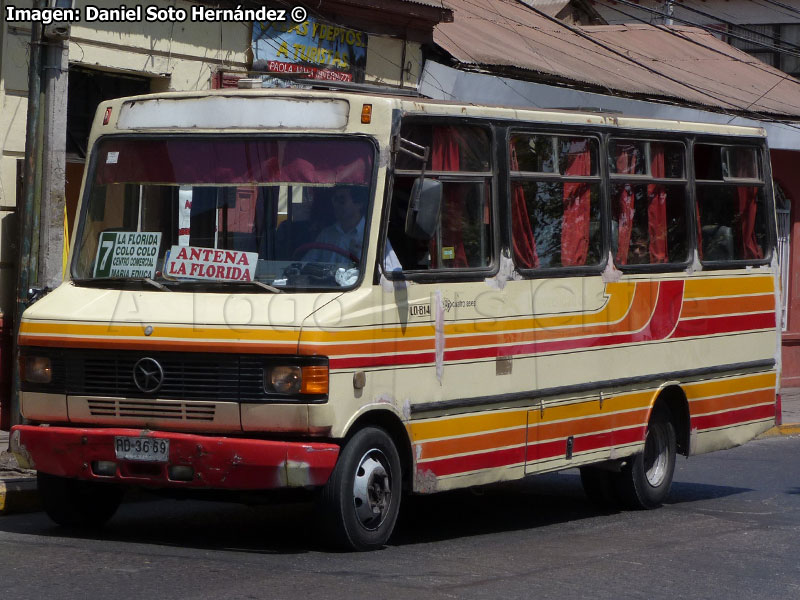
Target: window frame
<point>689,189</point>
<point>489,178</point>
<point>531,129</point>
<point>502,177</point>
<point>91,169</point>
<point>765,184</point>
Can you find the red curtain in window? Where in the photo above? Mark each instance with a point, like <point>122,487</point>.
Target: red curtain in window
<point>748,208</point>
<point>445,157</point>
<point>626,163</point>
<point>577,207</point>
<point>521,231</point>
<point>657,207</point>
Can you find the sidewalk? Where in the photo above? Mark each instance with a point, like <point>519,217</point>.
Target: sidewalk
<point>790,405</point>
<point>18,486</point>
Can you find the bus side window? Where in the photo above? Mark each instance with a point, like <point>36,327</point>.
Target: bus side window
<point>555,201</point>
<point>460,156</point>
<point>648,199</point>
<point>731,206</point>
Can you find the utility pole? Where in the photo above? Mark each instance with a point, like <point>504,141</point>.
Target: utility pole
<point>54,82</point>
<point>669,10</point>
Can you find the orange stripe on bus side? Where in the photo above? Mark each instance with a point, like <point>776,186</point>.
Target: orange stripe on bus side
<point>727,306</point>
<point>472,443</point>
<point>637,316</point>
<point>710,405</point>
<point>591,425</point>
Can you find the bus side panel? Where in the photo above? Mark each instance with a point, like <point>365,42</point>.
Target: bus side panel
<point>730,411</point>
<point>647,326</point>
<point>481,394</point>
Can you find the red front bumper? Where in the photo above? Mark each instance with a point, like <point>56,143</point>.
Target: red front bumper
<point>217,462</point>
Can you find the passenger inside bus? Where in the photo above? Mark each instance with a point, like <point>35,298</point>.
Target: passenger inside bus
<point>344,237</point>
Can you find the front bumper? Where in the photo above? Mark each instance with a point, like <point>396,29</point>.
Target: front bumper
<point>216,462</point>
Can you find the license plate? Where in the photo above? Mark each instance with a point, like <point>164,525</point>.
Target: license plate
<point>144,449</point>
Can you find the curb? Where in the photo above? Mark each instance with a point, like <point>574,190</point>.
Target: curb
<point>18,495</point>
<point>785,429</point>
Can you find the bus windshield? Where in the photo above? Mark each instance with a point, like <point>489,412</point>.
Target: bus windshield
<point>285,212</point>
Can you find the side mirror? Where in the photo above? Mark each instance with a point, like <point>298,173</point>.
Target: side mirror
<point>36,293</point>
<point>424,207</point>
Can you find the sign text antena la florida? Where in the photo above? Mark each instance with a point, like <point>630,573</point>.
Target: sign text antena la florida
<point>208,263</point>
<point>141,13</point>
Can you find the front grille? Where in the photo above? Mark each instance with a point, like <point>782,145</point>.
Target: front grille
<point>154,410</point>
<point>187,376</point>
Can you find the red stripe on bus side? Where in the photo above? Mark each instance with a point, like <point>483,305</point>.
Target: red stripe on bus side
<point>474,462</point>
<point>663,321</point>
<point>514,456</point>
<point>714,325</point>
<point>608,439</point>
<point>733,417</point>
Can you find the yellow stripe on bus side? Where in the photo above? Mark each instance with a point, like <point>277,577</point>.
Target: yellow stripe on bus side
<point>469,424</point>
<point>728,286</point>
<point>709,389</point>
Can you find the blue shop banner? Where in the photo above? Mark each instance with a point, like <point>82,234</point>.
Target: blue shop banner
<point>317,49</point>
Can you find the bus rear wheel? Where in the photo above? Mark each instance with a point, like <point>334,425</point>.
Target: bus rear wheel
<point>645,480</point>
<point>360,502</point>
<point>78,504</point>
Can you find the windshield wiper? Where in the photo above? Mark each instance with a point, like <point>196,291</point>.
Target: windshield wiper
<point>261,284</point>
<point>155,284</point>
<point>103,280</point>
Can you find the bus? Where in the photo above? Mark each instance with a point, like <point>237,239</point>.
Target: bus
<point>364,295</point>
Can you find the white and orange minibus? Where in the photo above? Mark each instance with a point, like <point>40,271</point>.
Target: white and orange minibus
<point>366,295</point>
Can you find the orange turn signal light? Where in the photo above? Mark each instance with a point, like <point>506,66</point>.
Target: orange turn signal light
<point>314,380</point>
<point>366,114</point>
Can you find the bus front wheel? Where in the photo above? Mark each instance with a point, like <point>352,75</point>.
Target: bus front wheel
<point>360,502</point>
<point>645,480</point>
<point>78,504</point>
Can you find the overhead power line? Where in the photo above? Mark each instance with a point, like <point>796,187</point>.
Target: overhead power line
<point>783,6</point>
<point>711,29</point>
<point>753,114</point>
<point>744,28</point>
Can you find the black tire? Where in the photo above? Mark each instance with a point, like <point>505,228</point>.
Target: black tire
<point>78,504</point>
<point>360,502</point>
<point>645,480</point>
<point>598,484</point>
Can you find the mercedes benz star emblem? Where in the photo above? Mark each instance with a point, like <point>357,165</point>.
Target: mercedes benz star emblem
<point>148,375</point>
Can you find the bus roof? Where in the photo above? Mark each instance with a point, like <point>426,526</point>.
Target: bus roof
<point>183,102</point>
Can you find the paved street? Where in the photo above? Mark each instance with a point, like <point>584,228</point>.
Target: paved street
<point>730,530</point>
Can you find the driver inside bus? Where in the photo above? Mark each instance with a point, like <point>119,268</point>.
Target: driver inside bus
<point>343,239</point>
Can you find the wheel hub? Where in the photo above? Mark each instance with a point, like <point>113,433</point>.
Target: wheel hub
<point>372,492</point>
<point>655,455</point>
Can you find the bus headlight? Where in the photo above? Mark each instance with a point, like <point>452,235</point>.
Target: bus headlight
<point>296,379</point>
<point>37,369</point>
<point>283,379</point>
